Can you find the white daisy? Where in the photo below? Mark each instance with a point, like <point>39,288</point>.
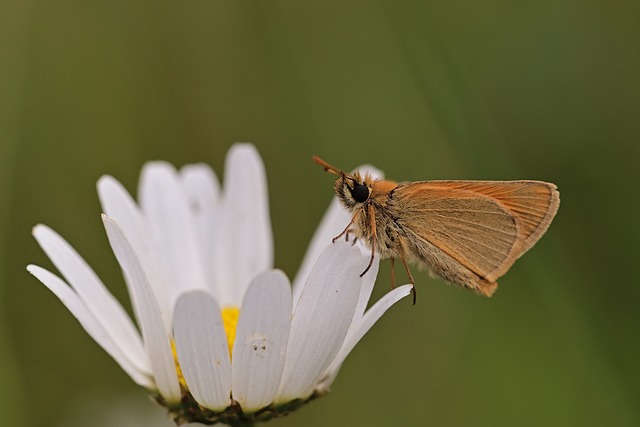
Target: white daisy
<point>222,336</point>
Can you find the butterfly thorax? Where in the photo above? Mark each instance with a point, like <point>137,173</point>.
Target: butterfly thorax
<point>388,231</point>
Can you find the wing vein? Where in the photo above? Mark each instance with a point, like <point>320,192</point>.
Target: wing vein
<point>475,224</point>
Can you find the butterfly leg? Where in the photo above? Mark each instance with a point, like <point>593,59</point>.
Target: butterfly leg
<point>372,221</point>
<point>346,237</point>
<point>346,230</point>
<point>413,283</point>
<point>393,273</point>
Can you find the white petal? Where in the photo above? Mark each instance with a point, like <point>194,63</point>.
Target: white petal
<point>79,310</point>
<point>321,319</point>
<point>166,209</point>
<point>332,224</point>
<point>202,190</point>
<point>261,341</point>
<point>156,339</point>
<point>356,332</point>
<point>95,296</point>
<point>202,349</point>
<point>368,280</point>
<point>246,243</point>
<point>200,183</point>
<point>118,204</point>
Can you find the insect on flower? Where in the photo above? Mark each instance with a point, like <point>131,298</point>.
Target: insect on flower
<point>467,232</point>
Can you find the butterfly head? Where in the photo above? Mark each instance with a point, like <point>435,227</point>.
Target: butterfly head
<point>352,190</point>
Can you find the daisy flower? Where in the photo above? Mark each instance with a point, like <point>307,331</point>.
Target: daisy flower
<point>221,336</point>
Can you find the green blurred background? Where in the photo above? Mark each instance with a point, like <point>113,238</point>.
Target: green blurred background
<point>434,89</point>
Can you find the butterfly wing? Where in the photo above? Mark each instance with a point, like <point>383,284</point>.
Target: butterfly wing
<point>483,226</point>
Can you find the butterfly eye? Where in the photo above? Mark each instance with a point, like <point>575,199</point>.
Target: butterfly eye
<point>360,193</point>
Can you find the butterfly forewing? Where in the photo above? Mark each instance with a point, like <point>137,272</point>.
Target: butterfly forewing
<point>483,225</point>
<point>535,203</point>
<point>472,229</point>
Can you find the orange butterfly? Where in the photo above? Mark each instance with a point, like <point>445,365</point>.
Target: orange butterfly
<point>467,232</point>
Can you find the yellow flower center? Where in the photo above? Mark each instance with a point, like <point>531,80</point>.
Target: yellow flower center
<point>183,383</point>
<point>230,317</point>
